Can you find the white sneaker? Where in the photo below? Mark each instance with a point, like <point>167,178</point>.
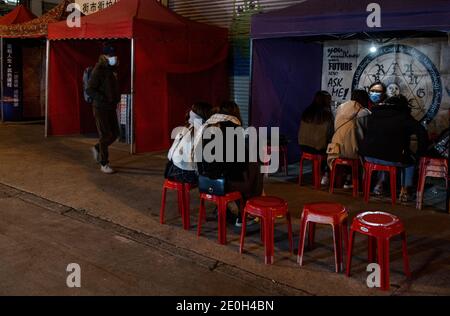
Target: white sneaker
<point>107,169</point>
<point>378,190</point>
<point>348,185</point>
<point>325,180</point>
<point>95,154</point>
<point>250,221</point>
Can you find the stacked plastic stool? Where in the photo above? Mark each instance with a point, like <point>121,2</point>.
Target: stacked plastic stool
<point>380,227</point>
<point>369,168</point>
<point>333,214</point>
<point>430,167</point>
<point>354,164</point>
<point>267,209</point>
<point>317,162</point>
<point>183,194</point>
<point>221,202</point>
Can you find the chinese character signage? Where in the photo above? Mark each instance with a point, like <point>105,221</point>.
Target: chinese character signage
<point>92,6</point>
<point>12,82</point>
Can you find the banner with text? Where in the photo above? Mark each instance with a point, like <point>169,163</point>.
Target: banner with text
<point>12,81</point>
<point>92,6</point>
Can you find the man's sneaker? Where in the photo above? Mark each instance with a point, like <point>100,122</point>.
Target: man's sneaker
<point>95,154</point>
<point>107,169</point>
<point>325,180</point>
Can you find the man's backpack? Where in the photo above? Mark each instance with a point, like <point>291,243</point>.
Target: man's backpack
<point>86,77</point>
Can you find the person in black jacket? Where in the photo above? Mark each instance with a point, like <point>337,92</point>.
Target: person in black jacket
<point>386,136</point>
<point>103,88</point>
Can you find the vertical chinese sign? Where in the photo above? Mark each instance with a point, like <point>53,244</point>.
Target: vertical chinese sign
<point>12,82</point>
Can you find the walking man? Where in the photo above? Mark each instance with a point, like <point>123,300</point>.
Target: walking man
<point>103,88</point>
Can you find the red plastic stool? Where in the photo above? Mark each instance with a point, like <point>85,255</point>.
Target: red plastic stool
<point>430,167</point>
<point>354,164</point>
<point>332,214</point>
<point>317,162</point>
<point>371,167</point>
<point>379,227</point>
<point>267,208</point>
<point>183,190</point>
<point>221,202</point>
<point>282,150</point>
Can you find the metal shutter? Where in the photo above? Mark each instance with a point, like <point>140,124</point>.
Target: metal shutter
<point>234,15</point>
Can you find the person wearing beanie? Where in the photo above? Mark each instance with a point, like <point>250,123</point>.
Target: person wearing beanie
<point>103,88</point>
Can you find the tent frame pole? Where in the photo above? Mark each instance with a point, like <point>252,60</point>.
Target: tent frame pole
<point>1,80</point>
<point>47,59</point>
<point>250,96</point>
<point>132,70</point>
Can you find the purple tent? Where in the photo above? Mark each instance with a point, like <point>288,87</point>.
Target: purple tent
<point>287,65</point>
<point>320,17</point>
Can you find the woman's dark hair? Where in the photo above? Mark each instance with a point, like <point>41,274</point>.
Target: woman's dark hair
<point>361,96</point>
<point>400,102</point>
<point>378,83</point>
<point>320,110</point>
<point>230,108</point>
<point>202,109</point>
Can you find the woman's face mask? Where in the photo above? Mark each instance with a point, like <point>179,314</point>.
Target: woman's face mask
<point>375,97</point>
<point>112,60</point>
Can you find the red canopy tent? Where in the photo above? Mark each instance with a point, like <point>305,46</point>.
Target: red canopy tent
<point>171,62</point>
<point>36,28</point>
<point>20,14</point>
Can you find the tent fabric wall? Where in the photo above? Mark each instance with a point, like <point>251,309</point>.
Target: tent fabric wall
<point>161,55</point>
<point>166,45</point>
<point>183,91</point>
<point>286,75</point>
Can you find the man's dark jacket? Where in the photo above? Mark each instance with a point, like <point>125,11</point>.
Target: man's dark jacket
<point>103,86</point>
<point>386,134</point>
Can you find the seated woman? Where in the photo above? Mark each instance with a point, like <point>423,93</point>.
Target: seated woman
<point>385,140</point>
<point>316,128</point>
<point>181,166</point>
<point>239,174</point>
<point>345,127</point>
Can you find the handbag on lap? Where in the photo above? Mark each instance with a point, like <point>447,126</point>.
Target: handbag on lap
<point>211,186</point>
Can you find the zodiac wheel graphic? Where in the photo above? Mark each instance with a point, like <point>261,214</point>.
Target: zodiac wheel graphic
<point>406,70</point>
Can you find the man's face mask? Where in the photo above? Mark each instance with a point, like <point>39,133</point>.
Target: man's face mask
<point>375,97</point>
<point>112,60</point>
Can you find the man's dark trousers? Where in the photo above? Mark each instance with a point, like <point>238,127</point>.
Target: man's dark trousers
<point>108,131</point>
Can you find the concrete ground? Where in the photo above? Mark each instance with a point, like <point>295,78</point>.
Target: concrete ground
<point>56,207</point>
